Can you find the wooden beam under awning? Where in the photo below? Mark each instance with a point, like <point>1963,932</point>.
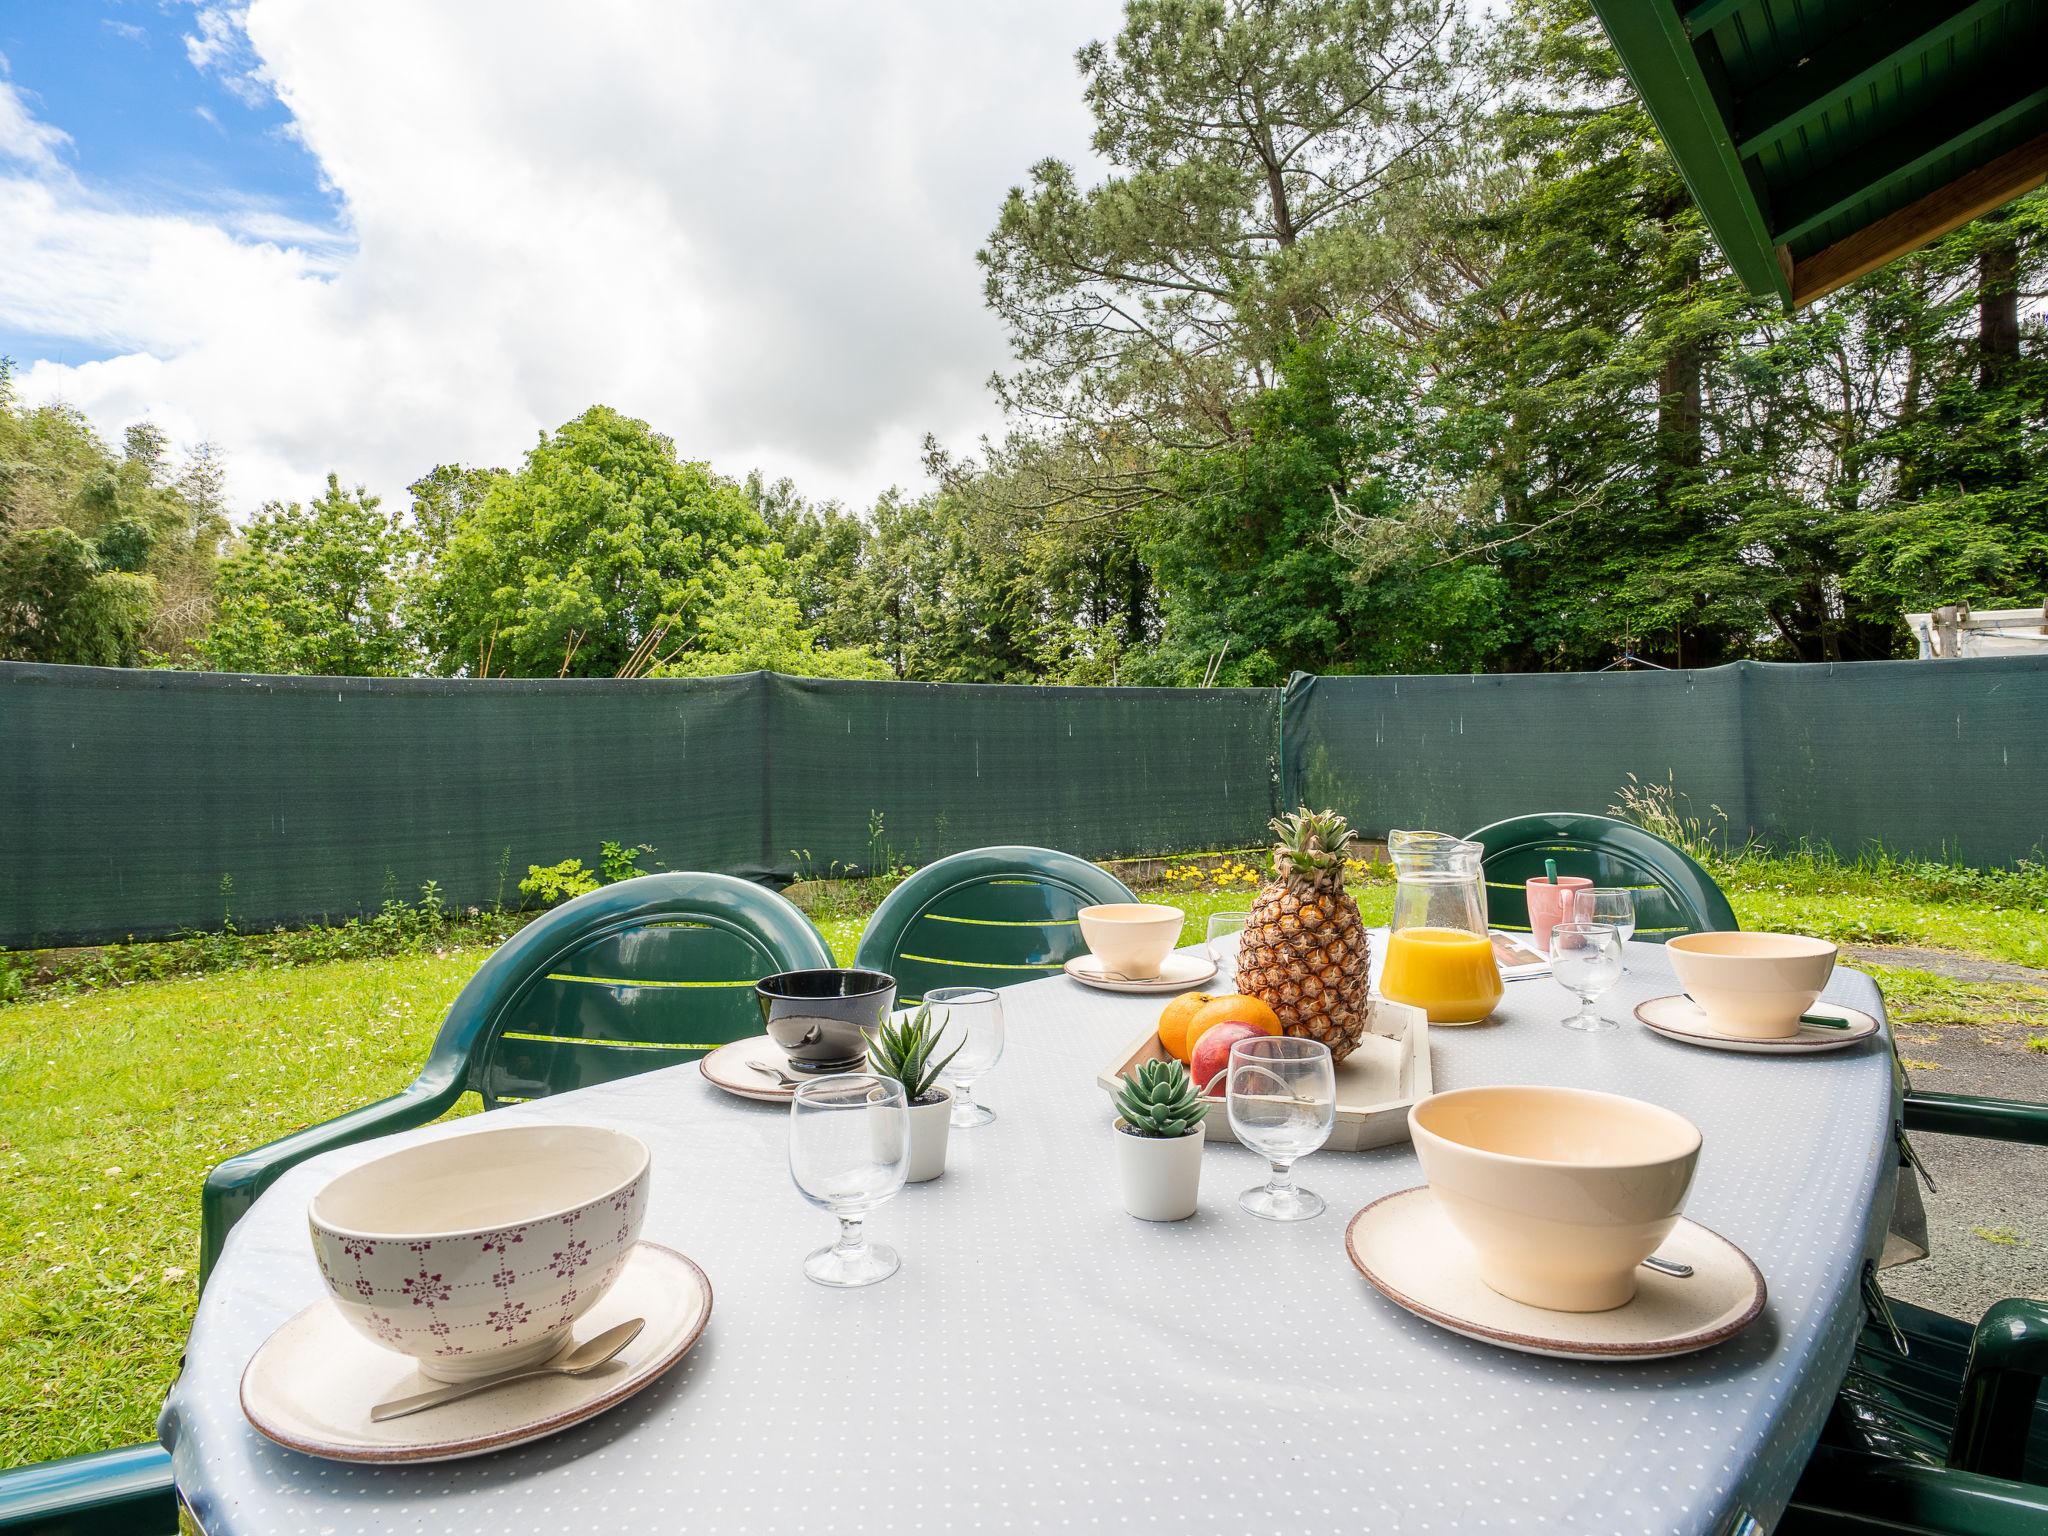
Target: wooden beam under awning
<point>1990,186</point>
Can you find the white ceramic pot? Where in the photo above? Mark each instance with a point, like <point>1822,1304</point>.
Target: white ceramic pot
<point>1132,938</point>
<point>474,1253</point>
<point>1752,984</point>
<point>1161,1175</point>
<point>930,1125</point>
<point>1561,1192</point>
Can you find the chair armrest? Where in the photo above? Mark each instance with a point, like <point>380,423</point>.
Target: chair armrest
<point>119,1493</point>
<point>2008,1358</point>
<point>1963,1114</point>
<point>1878,1493</point>
<point>233,1187</point>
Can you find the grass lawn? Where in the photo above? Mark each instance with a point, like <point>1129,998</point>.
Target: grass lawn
<point>117,1101</point>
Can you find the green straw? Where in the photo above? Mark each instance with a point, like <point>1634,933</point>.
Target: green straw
<point>1550,870</point>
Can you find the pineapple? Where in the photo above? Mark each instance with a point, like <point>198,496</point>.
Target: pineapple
<point>1303,952</point>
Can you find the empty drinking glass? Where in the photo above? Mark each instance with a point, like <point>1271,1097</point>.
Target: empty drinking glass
<point>1224,928</point>
<point>1281,1096</point>
<point>849,1148</point>
<point>970,1018</point>
<point>1585,958</point>
<point>1614,905</point>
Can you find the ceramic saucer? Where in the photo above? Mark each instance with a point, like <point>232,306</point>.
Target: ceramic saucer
<point>1408,1249</point>
<point>727,1068</point>
<point>311,1385</point>
<point>1678,1017</point>
<point>1177,972</point>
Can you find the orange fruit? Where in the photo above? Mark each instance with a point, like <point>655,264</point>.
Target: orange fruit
<point>1173,1023</point>
<point>1232,1006</point>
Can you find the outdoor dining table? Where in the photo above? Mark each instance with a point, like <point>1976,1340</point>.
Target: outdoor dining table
<point>1045,1361</point>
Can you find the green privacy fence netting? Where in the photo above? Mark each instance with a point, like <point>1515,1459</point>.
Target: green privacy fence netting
<point>1940,759</point>
<point>146,803</point>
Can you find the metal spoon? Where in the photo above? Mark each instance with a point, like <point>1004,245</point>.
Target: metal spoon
<point>1667,1266</point>
<point>580,1361</point>
<point>781,1075</point>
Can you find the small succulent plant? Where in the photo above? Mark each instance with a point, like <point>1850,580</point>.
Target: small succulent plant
<point>902,1049</point>
<point>1159,1099</point>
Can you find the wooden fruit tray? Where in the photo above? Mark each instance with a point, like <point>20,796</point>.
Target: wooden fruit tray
<point>1376,1083</point>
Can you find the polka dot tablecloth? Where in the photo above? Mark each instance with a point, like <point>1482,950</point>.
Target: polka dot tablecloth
<point>1045,1362</point>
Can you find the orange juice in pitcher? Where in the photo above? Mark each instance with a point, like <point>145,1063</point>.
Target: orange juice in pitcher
<point>1439,957</point>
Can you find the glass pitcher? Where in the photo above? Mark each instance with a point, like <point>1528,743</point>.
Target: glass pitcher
<point>1439,955</point>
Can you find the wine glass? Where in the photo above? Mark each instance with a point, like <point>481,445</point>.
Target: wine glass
<point>1585,958</point>
<point>1614,905</point>
<point>1224,928</point>
<point>970,1018</point>
<point>849,1148</point>
<point>1281,1096</point>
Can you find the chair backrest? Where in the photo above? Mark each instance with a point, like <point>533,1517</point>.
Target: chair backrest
<point>985,918</point>
<point>643,974</point>
<point>1674,895</point>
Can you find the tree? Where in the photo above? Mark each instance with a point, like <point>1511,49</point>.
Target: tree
<point>59,602</point>
<point>602,540</point>
<point>1250,140</point>
<point>315,589</point>
<point>754,625</point>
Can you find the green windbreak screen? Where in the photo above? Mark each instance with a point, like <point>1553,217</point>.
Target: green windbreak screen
<point>128,798</point>
<point>1939,759</point>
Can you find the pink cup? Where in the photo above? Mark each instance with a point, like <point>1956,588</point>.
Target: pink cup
<point>1550,905</point>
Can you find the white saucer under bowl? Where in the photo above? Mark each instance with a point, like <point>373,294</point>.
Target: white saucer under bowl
<point>1678,1017</point>
<point>727,1068</point>
<point>1177,972</point>
<point>311,1385</point>
<point>1406,1246</point>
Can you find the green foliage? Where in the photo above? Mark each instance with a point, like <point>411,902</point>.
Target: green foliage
<point>317,589</point>
<point>615,862</point>
<point>752,625</point>
<point>60,603</point>
<point>550,884</point>
<point>902,1049</point>
<point>603,539</point>
<point>1159,1099</point>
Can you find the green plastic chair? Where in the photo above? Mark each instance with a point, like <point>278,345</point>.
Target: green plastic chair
<point>108,1493</point>
<point>985,918</point>
<point>643,974</point>
<point>1674,895</point>
<point>1939,1429</point>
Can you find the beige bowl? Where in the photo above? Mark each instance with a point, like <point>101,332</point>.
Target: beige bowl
<point>1561,1192</point>
<point>1132,937</point>
<point>474,1254</point>
<point>1752,984</point>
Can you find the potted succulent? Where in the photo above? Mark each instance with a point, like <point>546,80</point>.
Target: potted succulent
<point>902,1049</point>
<point>1159,1141</point>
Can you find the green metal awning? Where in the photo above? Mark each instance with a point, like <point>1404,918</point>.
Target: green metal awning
<point>1823,138</point>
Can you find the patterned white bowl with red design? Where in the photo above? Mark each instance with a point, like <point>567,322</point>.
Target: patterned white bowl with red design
<point>475,1253</point>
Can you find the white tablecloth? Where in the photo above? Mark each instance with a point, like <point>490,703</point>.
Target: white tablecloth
<point>1043,1361</point>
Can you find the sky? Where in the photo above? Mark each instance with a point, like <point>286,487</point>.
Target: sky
<point>375,236</point>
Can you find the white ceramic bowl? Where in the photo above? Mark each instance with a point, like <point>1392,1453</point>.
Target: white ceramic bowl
<point>1752,984</point>
<point>1560,1191</point>
<point>1132,937</point>
<point>473,1254</point>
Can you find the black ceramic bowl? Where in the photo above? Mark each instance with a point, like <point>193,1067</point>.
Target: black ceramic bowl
<point>817,1017</point>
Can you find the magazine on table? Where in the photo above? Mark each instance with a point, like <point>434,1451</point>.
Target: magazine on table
<point>1517,955</point>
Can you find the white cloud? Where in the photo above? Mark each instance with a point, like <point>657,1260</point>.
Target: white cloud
<point>752,225</point>
<point>22,137</point>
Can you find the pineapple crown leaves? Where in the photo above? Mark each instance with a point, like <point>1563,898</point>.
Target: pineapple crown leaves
<point>1159,1099</point>
<point>902,1049</point>
<point>1311,843</point>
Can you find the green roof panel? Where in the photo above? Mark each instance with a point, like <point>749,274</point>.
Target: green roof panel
<point>1822,137</point>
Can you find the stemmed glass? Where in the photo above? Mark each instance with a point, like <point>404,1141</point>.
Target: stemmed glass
<point>1614,905</point>
<point>849,1148</point>
<point>1281,1096</point>
<point>970,1018</point>
<point>1224,928</point>
<point>1585,958</point>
